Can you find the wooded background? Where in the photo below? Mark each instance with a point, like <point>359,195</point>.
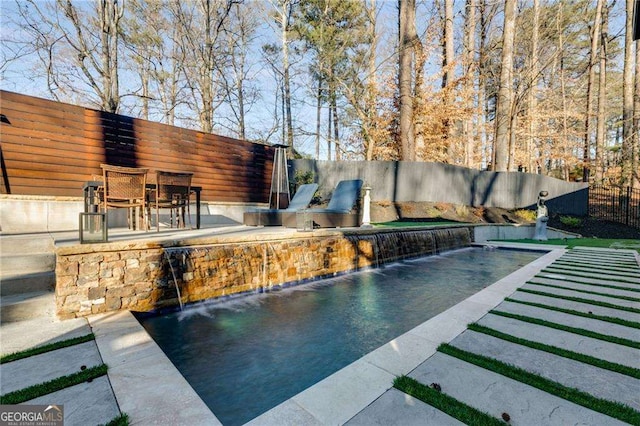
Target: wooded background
<point>544,86</point>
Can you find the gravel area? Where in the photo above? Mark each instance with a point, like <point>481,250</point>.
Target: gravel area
<point>592,227</point>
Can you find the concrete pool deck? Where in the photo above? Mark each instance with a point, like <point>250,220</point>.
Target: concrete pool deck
<point>144,384</point>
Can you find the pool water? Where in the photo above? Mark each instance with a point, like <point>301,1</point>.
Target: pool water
<point>247,355</point>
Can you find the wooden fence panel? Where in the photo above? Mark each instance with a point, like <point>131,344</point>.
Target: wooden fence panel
<point>50,148</point>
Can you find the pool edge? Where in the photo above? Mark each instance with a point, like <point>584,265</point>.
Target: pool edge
<point>341,396</point>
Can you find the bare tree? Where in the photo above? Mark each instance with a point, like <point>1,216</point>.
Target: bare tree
<point>636,117</point>
<point>201,25</point>
<point>283,15</point>
<point>627,100</point>
<point>505,91</point>
<point>532,96</point>
<point>602,95</point>
<point>469,80</point>
<point>78,42</point>
<point>407,45</point>
<point>591,85</point>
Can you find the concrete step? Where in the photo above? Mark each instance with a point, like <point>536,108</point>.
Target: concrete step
<point>26,306</point>
<point>27,283</point>
<point>26,244</point>
<point>20,264</point>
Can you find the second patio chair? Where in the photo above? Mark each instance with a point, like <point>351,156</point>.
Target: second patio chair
<point>340,213</point>
<point>273,217</point>
<point>125,187</point>
<point>173,192</point>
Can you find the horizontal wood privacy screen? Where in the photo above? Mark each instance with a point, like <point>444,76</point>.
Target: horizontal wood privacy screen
<point>51,148</point>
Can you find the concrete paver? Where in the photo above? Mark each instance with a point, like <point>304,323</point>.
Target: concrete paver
<point>582,295</point>
<point>596,269</point>
<point>612,352</point>
<point>586,274</point>
<point>592,285</point>
<point>608,266</point>
<point>496,394</point>
<point>397,408</point>
<point>18,336</point>
<point>595,325</point>
<point>576,306</point>
<point>48,366</point>
<point>599,382</point>
<point>84,404</point>
<point>586,288</point>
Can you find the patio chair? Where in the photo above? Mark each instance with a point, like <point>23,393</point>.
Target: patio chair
<point>273,217</point>
<point>173,192</point>
<point>125,187</point>
<point>340,211</point>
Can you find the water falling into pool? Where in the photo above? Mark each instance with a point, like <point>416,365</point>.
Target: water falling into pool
<point>247,355</point>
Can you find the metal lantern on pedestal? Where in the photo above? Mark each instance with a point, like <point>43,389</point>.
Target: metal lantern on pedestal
<point>280,196</point>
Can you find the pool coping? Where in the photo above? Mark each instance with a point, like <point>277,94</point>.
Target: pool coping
<point>149,388</point>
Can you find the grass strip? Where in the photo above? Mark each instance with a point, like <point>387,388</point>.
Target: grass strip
<point>574,330</point>
<point>613,287</point>
<point>612,320</point>
<point>587,359</point>
<point>35,391</point>
<point>581,300</point>
<point>46,348</point>
<point>613,409</point>
<point>445,403</point>
<point>121,420</point>
<point>616,296</point>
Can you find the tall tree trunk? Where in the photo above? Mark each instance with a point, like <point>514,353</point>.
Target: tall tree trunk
<point>505,91</point>
<point>532,95</point>
<point>602,95</point>
<point>372,84</point>
<point>470,68</point>
<point>636,120</point>
<point>407,41</point>
<point>110,15</point>
<point>329,132</point>
<point>447,57</point>
<point>627,100</point>
<point>447,75</point>
<point>563,93</point>
<point>318,116</point>
<point>591,84</point>
<point>336,132</point>
<point>285,23</point>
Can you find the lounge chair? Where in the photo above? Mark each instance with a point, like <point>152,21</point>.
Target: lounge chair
<point>340,211</point>
<point>273,217</point>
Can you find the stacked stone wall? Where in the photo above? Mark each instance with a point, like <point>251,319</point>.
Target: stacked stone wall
<point>138,277</point>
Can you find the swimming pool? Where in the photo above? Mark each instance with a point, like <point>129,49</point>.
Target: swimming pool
<point>247,355</point>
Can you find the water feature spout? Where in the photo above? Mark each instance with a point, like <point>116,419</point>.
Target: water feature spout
<point>173,274</point>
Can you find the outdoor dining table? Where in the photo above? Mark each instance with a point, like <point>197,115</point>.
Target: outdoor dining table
<point>90,190</point>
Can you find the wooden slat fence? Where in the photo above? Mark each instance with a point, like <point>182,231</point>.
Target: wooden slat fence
<point>614,203</point>
<point>51,148</point>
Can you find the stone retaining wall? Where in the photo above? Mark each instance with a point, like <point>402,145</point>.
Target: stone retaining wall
<point>100,278</point>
